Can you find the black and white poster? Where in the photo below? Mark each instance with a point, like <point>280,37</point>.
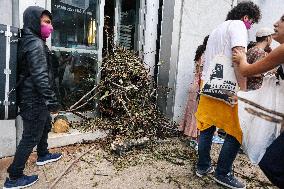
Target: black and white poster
<point>220,81</point>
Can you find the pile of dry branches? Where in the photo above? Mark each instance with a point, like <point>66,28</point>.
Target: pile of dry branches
<point>127,99</point>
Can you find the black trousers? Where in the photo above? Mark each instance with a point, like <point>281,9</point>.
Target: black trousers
<point>272,163</point>
<point>36,126</point>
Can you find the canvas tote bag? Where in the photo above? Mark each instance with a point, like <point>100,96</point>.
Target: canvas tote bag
<point>220,81</point>
<point>259,133</point>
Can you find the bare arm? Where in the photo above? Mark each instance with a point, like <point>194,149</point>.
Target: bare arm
<point>272,60</point>
<point>242,81</point>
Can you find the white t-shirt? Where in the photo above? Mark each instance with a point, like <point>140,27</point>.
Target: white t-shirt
<point>229,34</point>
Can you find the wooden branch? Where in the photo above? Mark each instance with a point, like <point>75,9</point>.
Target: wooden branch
<point>123,104</point>
<point>261,107</point>
<point>267,117</point>
<point>126,109</point>
<point>118,85</point>
<point>63,173</point>
<point>153,92</point>
<point>125,88</point>
<point>126,97</point>
<point>263,115</point>
<point>76,103</point>
<point>85,102</point>
<point>254,104</point>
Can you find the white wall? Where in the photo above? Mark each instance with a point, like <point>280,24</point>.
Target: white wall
<point>198,20</point>
<point>6,12</point>
<point>152,8</point>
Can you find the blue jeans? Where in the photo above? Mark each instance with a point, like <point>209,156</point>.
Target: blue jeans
<point>36,126</point>
<point>227,155</point>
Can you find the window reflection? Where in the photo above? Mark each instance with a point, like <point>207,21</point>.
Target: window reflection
<point>72,71</point>
<point>74,47</point>
<point>75,23</point>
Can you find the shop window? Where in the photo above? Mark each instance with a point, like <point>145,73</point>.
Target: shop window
<point>75,23</point>
<point>74,46</point>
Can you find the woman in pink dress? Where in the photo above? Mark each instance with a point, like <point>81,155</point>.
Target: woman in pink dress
<point>188,123</point>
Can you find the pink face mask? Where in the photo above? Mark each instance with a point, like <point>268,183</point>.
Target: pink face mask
<point>248,24</point>
<point>46,30</point>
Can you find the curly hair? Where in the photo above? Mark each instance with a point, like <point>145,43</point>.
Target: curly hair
<point>245,8</point>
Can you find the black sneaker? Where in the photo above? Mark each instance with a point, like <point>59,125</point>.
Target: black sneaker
<point>48,158</point>
<point>202,173</point>
<point>22,182</point>
<point>229,181</point>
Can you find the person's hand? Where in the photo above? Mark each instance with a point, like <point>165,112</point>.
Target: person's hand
<point>239,56</point>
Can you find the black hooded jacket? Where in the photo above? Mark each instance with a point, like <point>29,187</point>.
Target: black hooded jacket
<point>35,66</point>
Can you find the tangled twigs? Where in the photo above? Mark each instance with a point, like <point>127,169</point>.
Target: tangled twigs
<point>128,99</point>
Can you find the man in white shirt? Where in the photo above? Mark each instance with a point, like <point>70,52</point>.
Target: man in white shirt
<point>215,107</point>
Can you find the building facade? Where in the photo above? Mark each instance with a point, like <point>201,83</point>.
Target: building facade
<point>166,34</point>
<point>79,42</point>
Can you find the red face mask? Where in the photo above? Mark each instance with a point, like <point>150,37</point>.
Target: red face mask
<point>46,30</point>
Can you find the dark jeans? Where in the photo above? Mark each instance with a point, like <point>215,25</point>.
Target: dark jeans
<point>227,155</point>
<point>272,163</point>
<point>35,132</point>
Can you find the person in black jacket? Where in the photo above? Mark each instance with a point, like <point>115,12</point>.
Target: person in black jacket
<point>36,95</point>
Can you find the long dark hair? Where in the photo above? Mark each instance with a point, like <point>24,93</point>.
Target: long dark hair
<point>251,45</point>
<point>201,49</point>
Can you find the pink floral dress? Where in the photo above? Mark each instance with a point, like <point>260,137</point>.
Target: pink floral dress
<point>188,123</point>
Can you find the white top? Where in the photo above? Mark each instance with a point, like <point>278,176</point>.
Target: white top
<point>229,34</point>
